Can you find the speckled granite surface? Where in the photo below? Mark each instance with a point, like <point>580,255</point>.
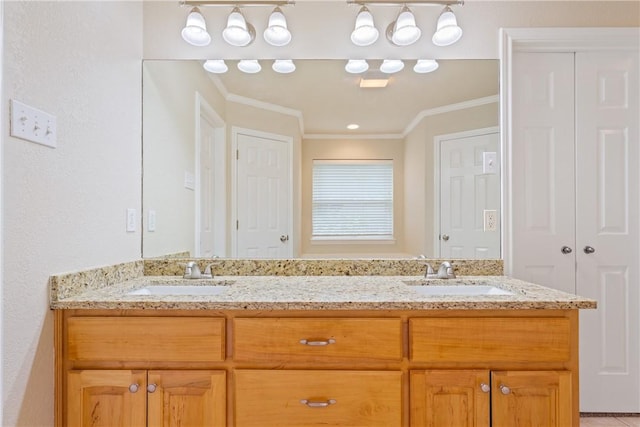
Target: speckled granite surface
<point>322,293</point>
<point>322,267</point>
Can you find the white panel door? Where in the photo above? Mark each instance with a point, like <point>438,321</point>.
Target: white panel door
<point>543,173</point>
<point>207,188</point>
<point>607,220</point>
<point>465,193</point>
<point>263,197</point>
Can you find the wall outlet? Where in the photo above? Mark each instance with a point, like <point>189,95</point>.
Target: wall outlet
<point>131,220</point>
<point>189,181</point>
<point>151,223</point>
<point>490,220</point>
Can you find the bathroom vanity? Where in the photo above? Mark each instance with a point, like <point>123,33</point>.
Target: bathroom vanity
<point>311,351</point>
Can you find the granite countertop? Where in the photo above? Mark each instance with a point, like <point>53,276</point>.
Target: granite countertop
<point>321,293</point>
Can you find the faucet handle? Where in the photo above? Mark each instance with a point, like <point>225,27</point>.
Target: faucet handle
<point>428,273</point>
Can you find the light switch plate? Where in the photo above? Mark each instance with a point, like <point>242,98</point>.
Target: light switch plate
<point>151,224</point>
<point>489,162</point>
<point>131,220</point>
<point>189,181</point>
<point>33,125</point>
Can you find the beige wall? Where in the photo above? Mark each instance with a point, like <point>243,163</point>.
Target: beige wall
<point>353,149</point>
<point>64,209</point>
<point>169,111</point>
<point>419,170</point>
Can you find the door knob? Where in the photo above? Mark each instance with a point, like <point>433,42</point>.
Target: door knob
<point>445,237</point>
<point>566,250</point>
<point>284,238</point>
<point>588,250</point>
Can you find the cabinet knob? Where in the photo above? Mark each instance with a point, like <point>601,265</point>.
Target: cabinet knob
<point>151,388</point>
<point>566,250</point>
<point>318,343</point>
<point>318,404</point>
<point>485,388</point>
<point>588,250</point>
<point>133,388</point>
<point>504,389</point>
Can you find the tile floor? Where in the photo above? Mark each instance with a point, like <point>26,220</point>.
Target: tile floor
<point>610,421</point>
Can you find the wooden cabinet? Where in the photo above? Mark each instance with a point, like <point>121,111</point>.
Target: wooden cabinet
<point>123,398</point>
<point>313,368</point>
<point>478,398</point>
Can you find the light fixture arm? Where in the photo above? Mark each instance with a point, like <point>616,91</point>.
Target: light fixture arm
<point>409,2</point>
<point>201,3</point>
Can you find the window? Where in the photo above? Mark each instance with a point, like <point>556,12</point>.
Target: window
<point>352,199</point>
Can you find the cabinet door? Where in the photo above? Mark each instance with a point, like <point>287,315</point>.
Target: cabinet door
<point>532,398</point>
<point>449,398</point>
<point>106,398</point>
<point>187,398</point>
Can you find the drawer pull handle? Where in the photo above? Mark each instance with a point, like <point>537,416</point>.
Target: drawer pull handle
<point>318,343</point>
<point>316,404</point>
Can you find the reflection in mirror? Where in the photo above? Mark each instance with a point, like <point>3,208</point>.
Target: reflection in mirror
<point>228,161</point>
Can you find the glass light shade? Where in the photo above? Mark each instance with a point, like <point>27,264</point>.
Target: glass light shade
<point>277,33</point>
<point>447,31</point>
<point>365,32</point>
<point>390,66</point>
<point>195,31</point>
<point>238,32</point>
<point>356,66</point>
<point>283,66</point>
<point>250,66</point>
<point>405,31</point>
<point>216,66</point>
<point>426,66</point>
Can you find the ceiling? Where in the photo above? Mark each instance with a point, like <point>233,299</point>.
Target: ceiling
<point>329,98</point>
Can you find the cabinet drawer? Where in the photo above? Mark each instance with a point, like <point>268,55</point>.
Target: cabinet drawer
<point>317,340</point>
<point>523,339</point>
<point>145,339</point>
<point>318,398</point>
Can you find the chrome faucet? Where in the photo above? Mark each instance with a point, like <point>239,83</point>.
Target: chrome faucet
<point>192,271</point>
<point>428,272</point>
<point>446,271</point>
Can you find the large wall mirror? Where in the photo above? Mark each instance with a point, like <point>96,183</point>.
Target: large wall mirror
<point>233,162</point>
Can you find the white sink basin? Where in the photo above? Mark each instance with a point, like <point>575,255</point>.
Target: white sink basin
<point>460,290</point>
<point>180,290</point>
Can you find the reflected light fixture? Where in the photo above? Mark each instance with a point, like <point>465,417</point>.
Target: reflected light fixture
<point>284,66</point>
<point>249,66</point>
<point>365,32</point>
<point>403,31</point>
<point>216,66</point>
<point>356,66</point>
<point>390,66</point>
<point>277,33</point>
<point>374,79</point>
<point>425,66</point>
<point>447,30</point>
<point>353,126</point>
<point>195,31</point>
<point>238,31</point>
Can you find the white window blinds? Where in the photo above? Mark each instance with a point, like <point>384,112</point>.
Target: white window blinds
<point>353,199</point>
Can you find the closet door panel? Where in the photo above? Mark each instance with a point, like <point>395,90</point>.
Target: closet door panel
<point>607,220</point>
<point>543,172</point>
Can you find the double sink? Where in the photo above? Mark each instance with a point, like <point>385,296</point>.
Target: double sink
<point>451,288</point>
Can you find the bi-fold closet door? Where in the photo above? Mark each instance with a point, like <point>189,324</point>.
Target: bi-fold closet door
<point>575,204</point>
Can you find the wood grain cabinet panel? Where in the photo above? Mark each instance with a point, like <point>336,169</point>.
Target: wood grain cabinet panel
<point>449,398</point>
<point>146,339</point>
<point>309,398</point>
<point>478,340</point>
<point>317,340</point>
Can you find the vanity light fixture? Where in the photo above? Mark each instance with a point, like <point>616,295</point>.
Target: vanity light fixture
<point>403,31</point>
<point>365,32</point>
<point>447,31</point>
<point>277,33</point>
<point>425,66</point>
<point>284,66</point>
<point>238,31</point>
<point>249,66</point>
<point>195,31</point>
<point>216,66</point>
<point>356,66</point>
<point>390,66</point>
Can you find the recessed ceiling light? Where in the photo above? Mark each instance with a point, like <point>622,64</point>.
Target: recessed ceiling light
<point>353,126</point>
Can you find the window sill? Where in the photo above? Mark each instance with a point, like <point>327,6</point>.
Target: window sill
<point>352,240</point>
